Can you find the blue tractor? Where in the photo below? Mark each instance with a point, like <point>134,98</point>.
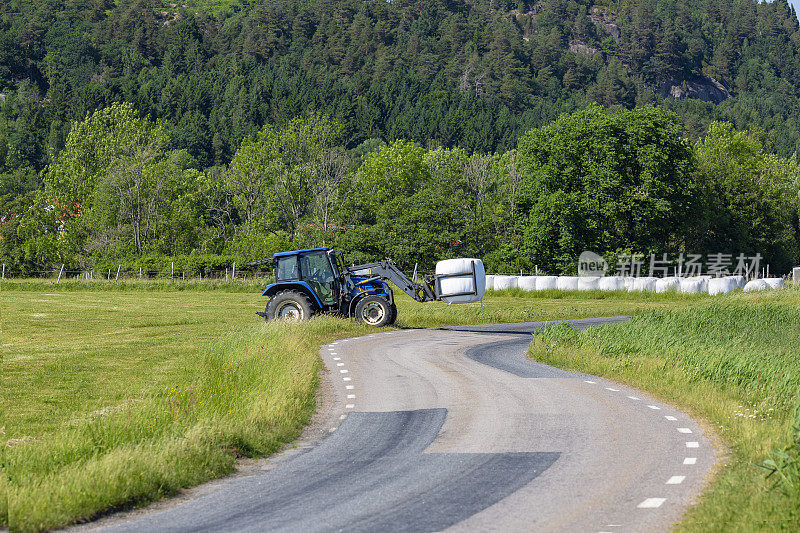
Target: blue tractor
<point>308,282</point>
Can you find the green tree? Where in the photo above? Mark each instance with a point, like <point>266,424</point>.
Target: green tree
<point>604,182</point>
<point>106,185</point>
<point>397,170</point>
<point>751,197</point>
<point>293,170</point>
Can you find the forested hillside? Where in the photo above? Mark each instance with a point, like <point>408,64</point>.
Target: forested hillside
<point>470,77</point>
<point>472,74</point>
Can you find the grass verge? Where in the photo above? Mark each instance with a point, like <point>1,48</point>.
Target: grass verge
<point>116,395</point>
<point>734,362</point>
<point>116,399</point>
<point>247,396</point>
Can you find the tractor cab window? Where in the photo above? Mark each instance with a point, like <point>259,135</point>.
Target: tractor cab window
<point>317,271</point>
<point>287,269</point>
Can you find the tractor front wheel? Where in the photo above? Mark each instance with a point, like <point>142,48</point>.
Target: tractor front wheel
<point>374,311</point>
<point>289,306</point>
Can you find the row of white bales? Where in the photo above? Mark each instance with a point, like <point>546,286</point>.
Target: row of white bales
<point>686,285</point>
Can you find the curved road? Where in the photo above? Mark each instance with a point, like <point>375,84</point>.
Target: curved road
<point>455,428</point>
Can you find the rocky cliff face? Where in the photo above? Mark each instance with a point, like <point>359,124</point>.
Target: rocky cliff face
<point>706,89</point>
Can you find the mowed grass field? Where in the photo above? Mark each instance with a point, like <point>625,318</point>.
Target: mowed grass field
<point>119,398</point>
<point>116,395</point>
<point>733,362</point>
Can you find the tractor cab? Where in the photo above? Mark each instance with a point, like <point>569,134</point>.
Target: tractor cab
<point>315,268</point>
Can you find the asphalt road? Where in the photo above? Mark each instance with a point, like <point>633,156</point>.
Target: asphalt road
<point>455,428</point>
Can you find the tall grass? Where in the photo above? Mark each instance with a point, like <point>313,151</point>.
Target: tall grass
<point>248,395</point>
<point>734,362</point>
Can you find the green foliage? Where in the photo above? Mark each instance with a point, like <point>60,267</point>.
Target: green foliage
<point>373,83</point>
<point>604,182</point>
<point>393,171</point>
<point>751,195</point>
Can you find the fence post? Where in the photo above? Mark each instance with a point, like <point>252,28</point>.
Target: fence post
<point>118,269</point>
<point>140,272</point>
<point>226,273</point>
<point>59,273</point>
<point>233,276</point>
<point>4,271</point>
<point>172,272</point>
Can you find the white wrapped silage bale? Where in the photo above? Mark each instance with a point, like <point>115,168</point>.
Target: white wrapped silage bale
<point>527,283</point>
<point>502,283</point>
<point>611,283</point>
<point>645,284</point>
<point>667,284</point>
<point>465,280</point>
<point>588,283</point>
<point>756,285</point>
<point>739,280</point>
<point>489,282</point>
<point>545,283</point>
<point>774,283</point>
<point>694,285</point>
<point>567,283</point>
<point>629,283</point>
<point>721,285</point>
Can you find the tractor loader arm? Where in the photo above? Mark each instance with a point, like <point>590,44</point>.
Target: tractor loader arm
<point>388,271</point>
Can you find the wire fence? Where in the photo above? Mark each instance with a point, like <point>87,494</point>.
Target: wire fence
<point>120,274</point>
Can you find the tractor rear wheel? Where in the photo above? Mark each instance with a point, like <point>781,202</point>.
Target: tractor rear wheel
<point>289,306</point>
<point>374,311</point>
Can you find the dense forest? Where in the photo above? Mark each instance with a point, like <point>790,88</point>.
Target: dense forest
<point>407,129</point>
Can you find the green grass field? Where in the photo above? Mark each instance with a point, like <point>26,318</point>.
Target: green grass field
<point>116,395</point>
<point>733,362</point>
<point>112,399</point>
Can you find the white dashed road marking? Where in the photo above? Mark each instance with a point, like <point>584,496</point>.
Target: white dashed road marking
<point>651,503</point>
